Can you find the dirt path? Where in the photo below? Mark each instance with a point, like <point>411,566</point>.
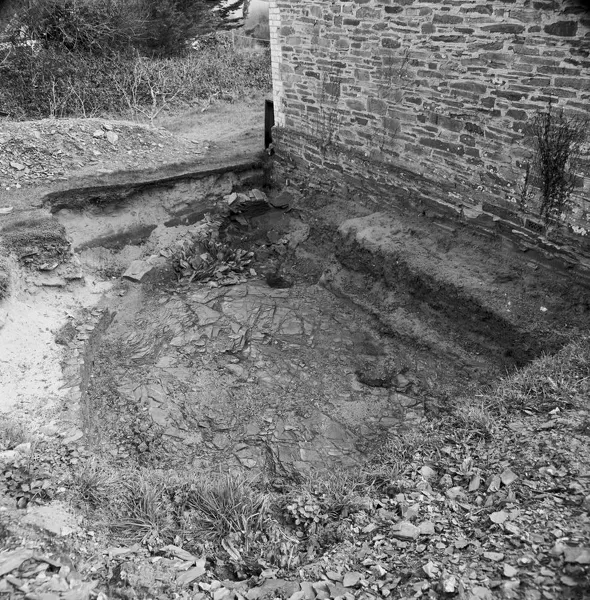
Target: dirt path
<point>40,157</point>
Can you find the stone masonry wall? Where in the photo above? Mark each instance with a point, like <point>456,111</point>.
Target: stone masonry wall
<point>426,102</point>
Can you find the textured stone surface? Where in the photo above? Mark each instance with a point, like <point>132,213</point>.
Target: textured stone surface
<point>426,103</point>
<point>251,376</point>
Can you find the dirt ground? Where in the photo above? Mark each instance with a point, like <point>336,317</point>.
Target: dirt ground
<point>41,156</point>
<point>37,157</point>
<point>322,328</point>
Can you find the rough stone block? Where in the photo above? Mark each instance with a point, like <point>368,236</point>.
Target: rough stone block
<point>447,19</point>
<point>469,86</point>
<point>562,28</point>
<point>509,28</point>
<point>439,144</point>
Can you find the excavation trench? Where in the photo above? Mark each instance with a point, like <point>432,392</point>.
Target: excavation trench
<point>274,368</point>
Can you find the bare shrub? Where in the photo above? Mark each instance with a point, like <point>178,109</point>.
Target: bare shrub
<point>558,140</point>
<point>48,82</point>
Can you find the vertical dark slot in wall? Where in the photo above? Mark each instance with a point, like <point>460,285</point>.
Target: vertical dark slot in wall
<point>269,121</point>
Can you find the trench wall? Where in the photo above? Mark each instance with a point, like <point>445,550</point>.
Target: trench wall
<point>427,102</point>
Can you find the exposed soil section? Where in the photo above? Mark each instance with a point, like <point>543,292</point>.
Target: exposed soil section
<point>272,372</point>
<point>185,318</point>
<point>38,157</point>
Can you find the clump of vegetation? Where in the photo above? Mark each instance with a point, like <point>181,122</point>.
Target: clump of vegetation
<point>81,58</point>
<point>227,513</point>
<point>207,258</point>
<point>558,141</point>
<point>93,483</point>
<point>554,381</point>
<point>143,513</point>
<point>154,27</point>
<point>225,506</point>
<point>96,27</point>
<point>321,498</point>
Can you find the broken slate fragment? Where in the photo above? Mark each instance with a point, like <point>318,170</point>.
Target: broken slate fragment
<point>580,555</point>
<point>283,200</point>
<point>13,560</point>
<point>53,282</point>
<point>481,593</point>
<point>499,517</point>
<point>207,316</point>
<point>351,578</point>
<point>430,569</point>
<point>258,195</point>
<point>474,483</point>
<point>426,528</point>
<point>494,556</point>
<point>178,553</point>
<point>137,270</point>
<point>405,531</point>
<point>508,477</point>
<point>427,472</point>
<point>190,575</point>
<point>449,584</point>
<point>510,571</point>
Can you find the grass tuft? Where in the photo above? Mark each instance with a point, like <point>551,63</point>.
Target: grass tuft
<point>143,513</point>
<point>560,381</point>
<point>93,484</point>
<point>221,507</point>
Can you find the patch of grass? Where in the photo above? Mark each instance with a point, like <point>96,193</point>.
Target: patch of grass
<point>155,507</point>
<point>469,421</point>
<point>322,497</point>
<point>554,381</point>
<point>560,381</point>
<point>422,442</point>
<point>143,512</point>
<point>225,507</point>
<point>93,483</point>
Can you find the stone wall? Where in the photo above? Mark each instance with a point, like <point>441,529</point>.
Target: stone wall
<point>427,101</point>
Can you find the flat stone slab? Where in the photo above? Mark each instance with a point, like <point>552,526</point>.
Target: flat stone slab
<point>138,269</point>
<point>54,518</point>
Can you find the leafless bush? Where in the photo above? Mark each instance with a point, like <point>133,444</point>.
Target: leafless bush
<point>558,141</point>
